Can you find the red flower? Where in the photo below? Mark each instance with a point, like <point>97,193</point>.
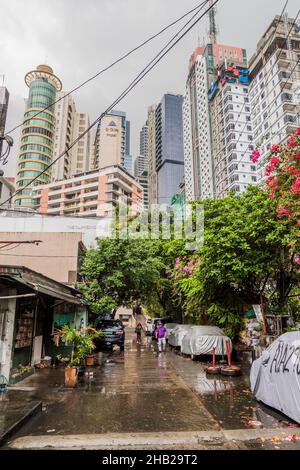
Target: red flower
<point>274,148</point>
<point>274,161</point>
<point>298,132</point>
<point>298,223</point>
<point>295,188</point>
<point>292,142</point>
<point>255,156</point>
<point>282,212</point>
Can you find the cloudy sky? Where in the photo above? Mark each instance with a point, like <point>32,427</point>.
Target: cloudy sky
<point>77,38</point>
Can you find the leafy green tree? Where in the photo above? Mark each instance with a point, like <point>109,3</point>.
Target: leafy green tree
<point>121,272</point>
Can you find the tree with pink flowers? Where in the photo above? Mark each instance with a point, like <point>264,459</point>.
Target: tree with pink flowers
<point>283,186</point>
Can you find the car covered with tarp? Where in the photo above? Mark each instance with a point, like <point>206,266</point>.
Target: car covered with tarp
<point>177,334</point>
<point>275,376</point>
<point>169,327</point>
<point>201,340</point>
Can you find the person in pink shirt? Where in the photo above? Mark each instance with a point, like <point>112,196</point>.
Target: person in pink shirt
<point>160,334</point>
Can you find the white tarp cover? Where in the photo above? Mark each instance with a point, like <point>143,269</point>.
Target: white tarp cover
<point>202,339</point>
<point>176,334</point>
<point>169,327</point>
<point>275,376</point>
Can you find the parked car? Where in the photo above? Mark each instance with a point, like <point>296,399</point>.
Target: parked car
<point>169,327</point>
<point>275,376</point>
<point>177,334</point>
<point>200,340</point>
<point>113,334</point>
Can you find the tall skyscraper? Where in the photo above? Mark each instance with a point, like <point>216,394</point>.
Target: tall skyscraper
<point>65,113</point>
<point>275,86</point>
<point>232,137</point>
<point>144,137</point>
<point>169,147</point>
<point>152,175</point>
<point>37,139</point>
<point>205,127</point>
<point>4,98</point>
<point>112,140</point>
<point>198,169</point>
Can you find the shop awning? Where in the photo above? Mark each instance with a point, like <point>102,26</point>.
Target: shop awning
<point>41,284</point>
<point>57,295</point>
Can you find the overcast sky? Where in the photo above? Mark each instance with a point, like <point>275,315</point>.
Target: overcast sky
<point>77,38</point>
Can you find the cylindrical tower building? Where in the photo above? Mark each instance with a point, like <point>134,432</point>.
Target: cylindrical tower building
<point>37,139</point>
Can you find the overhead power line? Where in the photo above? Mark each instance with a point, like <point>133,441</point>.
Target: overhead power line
<point>171,44</point>
<point>117,61</point>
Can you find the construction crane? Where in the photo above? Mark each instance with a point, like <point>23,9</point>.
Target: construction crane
<point>213,30</point>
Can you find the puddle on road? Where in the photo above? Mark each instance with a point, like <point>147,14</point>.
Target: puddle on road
<point>231,402</point>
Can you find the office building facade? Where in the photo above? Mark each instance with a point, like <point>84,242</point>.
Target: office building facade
<point>169,147</point>
<point>112,140</point>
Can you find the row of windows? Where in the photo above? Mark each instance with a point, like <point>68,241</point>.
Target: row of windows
<point>40,114</point>
<point>25,202</point>
<point>26,192</point>
<point>41,102</point>
<point>31,166</point>
<point>37,130</point>
<point>32,174</point>
<point>36,138</point>
<point>37,122</point>
<point>35,156</point>
<point>40,148</point>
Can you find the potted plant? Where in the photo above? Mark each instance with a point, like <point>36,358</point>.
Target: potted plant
<point>82,343</point>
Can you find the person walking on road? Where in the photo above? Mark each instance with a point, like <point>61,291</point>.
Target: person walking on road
<point>138,331</point>
<point>160,334</point>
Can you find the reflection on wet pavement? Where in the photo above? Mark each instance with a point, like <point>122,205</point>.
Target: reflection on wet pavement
<point>139,390</point>
<point>131,391</point>
<point>229,399</point>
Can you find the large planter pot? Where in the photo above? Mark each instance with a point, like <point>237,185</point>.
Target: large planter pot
<point>70,376</point>
<point>90,360</point>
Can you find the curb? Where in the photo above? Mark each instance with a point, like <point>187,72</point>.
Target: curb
<point>146,440</point>
<point>18,424</point>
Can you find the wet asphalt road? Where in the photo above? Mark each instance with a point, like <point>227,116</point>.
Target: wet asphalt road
<point>139,390</point>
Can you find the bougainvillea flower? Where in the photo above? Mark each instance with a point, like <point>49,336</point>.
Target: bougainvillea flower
<point>255,156</point>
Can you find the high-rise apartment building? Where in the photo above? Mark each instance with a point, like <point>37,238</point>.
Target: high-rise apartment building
<point>65,111</point>
<point>275,86</point>
<point>38,132</point>
<point>152,175</point>
<point>80,160</point>
<point>140,164</point>
<point>112,140</point>
<point>144,138</point>
<point>4,98</point>
<point>168,147</point>
<point>198,167</point>
<point>231,130</point>
<point>208,138</point>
